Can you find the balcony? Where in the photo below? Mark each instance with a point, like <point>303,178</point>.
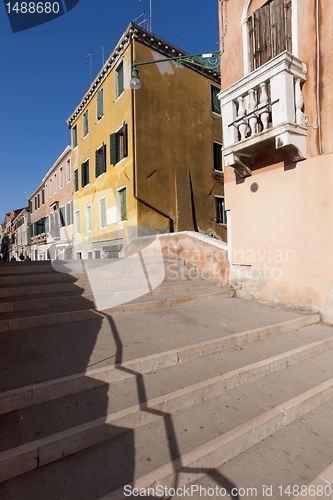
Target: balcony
<point>264,110</point>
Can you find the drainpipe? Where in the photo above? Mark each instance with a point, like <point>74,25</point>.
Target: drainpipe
<point>318,78</point>
<point>171,222</point>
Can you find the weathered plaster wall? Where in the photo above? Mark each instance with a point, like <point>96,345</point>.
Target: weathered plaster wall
<point>175,130</point>
<point>206,254</point>
<point>283,234</point>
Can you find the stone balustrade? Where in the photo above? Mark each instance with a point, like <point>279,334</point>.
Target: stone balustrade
<point>262,110</point>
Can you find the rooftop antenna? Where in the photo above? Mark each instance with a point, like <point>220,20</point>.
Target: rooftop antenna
<point>150,16</point>
<point>90,54</point>
<point>102,53</point>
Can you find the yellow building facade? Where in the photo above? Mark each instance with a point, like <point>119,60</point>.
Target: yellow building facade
<point>146,161</point>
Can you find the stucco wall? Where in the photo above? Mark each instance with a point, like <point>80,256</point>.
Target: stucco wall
<point>208,255</point>
<point>283,234</point>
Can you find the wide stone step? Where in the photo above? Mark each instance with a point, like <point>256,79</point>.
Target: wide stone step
<point>296,458</point>
<point>53,389</point>
<point>25,303</point>
<point>141,303</point>
<point>71,437</point>
<point>180,445</point>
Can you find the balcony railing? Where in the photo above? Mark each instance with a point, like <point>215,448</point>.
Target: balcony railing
<point>262,110</point>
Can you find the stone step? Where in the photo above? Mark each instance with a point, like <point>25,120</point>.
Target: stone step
<point>181,445</point>
<point>299,456</point>
<point>142,303</point>
<point>25,303</point>
<point>53,389</point>
<point>67,282</point>
<point>321,487</point>
<point>69,440</point>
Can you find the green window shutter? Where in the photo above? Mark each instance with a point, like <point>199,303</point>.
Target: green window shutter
<point>113,149</point>
<point>103,149</point>
<point>97,174</point>
<point>218,157</point>
<point>83,177</point>
<point>100,160</point>
<point>123,204</point>
<point>100,104</point>
<point>125,139</point>
<point>74,136</point>
<point>216,104</point>
<point>43,197</point>
<point>102,206</point>
<point>120,79</point>
<point>76,180</point>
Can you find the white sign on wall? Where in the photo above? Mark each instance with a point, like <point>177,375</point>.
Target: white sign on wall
<point>111,215</point>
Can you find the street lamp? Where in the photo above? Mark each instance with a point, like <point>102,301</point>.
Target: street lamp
<point>210,61</point>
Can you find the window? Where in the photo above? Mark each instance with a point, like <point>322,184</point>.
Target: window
<point>220,215</point>
<point>54,224</point>
<point>85,123</point>
<point>100,162</point>
<point>100,104</point>
<point>74,136</point>
<point>85,173</point>
<point>45,192</point>
<point>215,101</point>
<point>102,212</point>
<point>55,185</point>
<point>62,216</point>
<point>35,203</point>
<point>61,178</point>
<point>69,213</point>
<point>88,218</point>
<point>77,222</point>
<point>217,157</point>
<point>118,145</point>
<point>68,170</point>
<point>38,200</point>
<point>119,80</point>
<point>76,180</point>
<point>50,186</point>
<point>43,197</point>
<point>122,204</point>
<point>270,31</point>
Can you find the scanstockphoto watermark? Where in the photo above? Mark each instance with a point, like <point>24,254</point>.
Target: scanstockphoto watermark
<point>266,256</point>
<point>161,491</point>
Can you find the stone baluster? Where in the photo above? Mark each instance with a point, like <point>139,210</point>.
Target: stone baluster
<point>251,107</point>
<point>264,113</point>
<point>299,103</point>
<point>242,127</point>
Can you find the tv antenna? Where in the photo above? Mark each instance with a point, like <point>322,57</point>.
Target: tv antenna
<point>102,53</point>
<point>90,54</point>
<point>150,16</point>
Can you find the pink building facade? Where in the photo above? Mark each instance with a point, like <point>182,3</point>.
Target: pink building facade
<point>277,72</point>
<point>51,206</point>
<point>58,187</point>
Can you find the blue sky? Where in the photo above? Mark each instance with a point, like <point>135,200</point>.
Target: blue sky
<point>44,74</point>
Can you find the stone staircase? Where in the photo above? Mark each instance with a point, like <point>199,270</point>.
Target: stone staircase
<point>35,294</point>
<point>230,396</point>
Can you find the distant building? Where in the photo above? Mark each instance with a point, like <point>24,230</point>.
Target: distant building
<point>21,233</point>
<point>58,186</point>
<point>276,109</point>
<point>37,223</point>
<point>146,161</point>
<point>51,231</point>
